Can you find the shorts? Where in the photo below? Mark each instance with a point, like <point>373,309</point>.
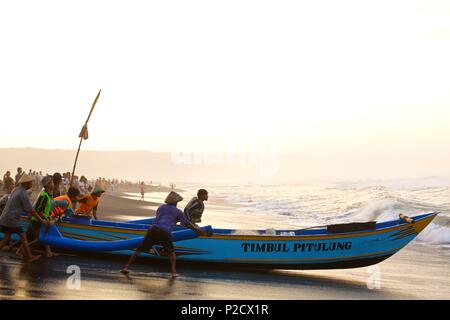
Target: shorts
<point>9,230</point>
<point>34,228</point>
<point>157,235</point>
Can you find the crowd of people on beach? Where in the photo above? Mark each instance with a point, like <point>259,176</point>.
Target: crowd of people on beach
<point>60,195</point>
<point>82,183</point>
<point>55,196</point>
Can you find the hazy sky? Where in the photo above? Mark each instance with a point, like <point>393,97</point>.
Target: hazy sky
<point>314,77</point>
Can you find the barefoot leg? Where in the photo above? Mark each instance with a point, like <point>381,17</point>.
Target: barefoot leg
<point>130,261</point>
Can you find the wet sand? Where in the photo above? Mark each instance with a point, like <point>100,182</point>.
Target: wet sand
<point>416,272</point>
<point>403,276</point>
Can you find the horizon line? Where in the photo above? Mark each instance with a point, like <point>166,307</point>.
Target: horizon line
<point>168,152</point>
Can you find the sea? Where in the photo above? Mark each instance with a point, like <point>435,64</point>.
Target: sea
<point>307,205</point>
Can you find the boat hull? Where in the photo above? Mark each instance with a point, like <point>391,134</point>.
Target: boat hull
<point>306,250</point>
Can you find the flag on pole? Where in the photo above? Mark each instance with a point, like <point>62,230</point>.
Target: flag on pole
<point>84,135</point>
<point>84,132</point>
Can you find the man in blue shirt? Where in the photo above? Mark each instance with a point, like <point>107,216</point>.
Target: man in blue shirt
<point>160,232</point>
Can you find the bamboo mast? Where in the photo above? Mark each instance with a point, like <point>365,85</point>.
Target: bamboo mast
<point>83,136</point>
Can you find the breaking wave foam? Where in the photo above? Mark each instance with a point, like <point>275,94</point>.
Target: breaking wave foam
<point>377,204</point>
<point>436,233</point>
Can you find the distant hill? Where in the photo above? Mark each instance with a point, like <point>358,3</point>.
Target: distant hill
<point>132,165</point>
<point>173,167</point>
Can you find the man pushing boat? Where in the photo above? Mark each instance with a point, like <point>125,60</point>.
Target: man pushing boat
<point>194,209</point>
<point>44,206</point>
<point>50,209</point>
<point>19,202</point>
<point>89,203</point>
<point>167,216</point>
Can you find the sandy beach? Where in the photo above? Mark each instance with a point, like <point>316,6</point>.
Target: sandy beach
<point>416,272</point>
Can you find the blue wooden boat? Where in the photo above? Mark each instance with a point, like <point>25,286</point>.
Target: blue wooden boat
<point>333,247</point>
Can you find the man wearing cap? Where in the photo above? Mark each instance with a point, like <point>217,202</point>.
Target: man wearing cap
<point>19,202</point>
<point>44,206</point>
<point>89,203</point>
<point>167,216</point>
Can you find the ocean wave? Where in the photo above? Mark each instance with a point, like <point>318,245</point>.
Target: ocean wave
<point>437,233</point>
<point>329,206</point>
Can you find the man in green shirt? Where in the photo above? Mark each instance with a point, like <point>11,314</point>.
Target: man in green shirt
<point>44,208</point>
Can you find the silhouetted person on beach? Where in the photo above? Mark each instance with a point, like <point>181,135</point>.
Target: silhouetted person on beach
<point>167,216</point>
<point>4,200</point>
<point>142,191</point>
<point>19,174</point>
<point>83,185</point>
<point>57,182</point>
<point>7,180</point>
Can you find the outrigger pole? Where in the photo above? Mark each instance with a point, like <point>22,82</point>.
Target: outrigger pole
<point>83,135</point>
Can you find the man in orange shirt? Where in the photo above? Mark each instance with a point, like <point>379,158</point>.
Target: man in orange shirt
<point>89,203</point>
<point>71,197</point>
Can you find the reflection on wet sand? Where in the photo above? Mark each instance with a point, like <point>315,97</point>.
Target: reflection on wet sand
<point>101,280</point>
<point>7,284</point>
<point>32,283</point>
